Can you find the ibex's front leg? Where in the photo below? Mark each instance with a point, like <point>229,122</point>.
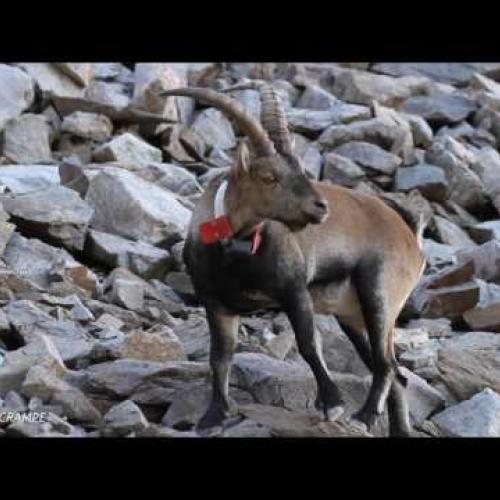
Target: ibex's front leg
<point>299,309</point>
<point>223,339</point>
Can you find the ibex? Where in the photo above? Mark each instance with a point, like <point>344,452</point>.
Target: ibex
<point>266,236</point>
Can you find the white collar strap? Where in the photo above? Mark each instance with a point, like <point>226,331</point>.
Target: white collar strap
<point>219,200</point>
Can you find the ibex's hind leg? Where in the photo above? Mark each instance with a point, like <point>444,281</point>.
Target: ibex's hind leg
<point>399,419</point>
<point>369,286</point>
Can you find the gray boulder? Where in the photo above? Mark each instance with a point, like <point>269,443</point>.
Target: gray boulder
<point>440,108</point>
<point>428,179</point>
<point>88,126</point>
<point>123,419</point>
<point>129,150</point>
<point>16,93</point>
<point>476,417</point>
<point>26,140</point>
<point>141,258</point>
<point>57,213</point>
<point>369,156</point>
<point>133,208</point>
<point>25,178</point>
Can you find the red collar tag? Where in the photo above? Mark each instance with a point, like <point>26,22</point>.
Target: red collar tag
<point>215,230</point>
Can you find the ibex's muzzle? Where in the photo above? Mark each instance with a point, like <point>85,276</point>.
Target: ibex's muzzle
<point>317,211</point>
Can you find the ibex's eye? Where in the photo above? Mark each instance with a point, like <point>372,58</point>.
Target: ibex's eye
<point>269,178</point>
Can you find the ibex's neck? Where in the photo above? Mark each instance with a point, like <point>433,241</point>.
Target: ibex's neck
<point>241,216</point>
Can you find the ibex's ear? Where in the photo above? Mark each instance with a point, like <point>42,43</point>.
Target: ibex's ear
<point>242,159</point>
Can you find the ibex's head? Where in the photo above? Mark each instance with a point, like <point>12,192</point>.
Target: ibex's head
<point>271,181</point>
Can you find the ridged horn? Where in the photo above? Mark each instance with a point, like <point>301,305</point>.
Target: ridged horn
<point>272,114</point>
<point>247,123</point>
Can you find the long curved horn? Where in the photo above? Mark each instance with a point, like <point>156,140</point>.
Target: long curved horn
<point>272,114</point>
<point>247,123</point>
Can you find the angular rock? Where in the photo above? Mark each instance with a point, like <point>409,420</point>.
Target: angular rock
<point>406,339</point>
<point>210,129</point>
<point>172,178</point>
<point>317,98</point>
<point>440,108</point>
<point>380,131</point>
<point>311,122</point>
<point>341,170</point>
<point>26,140</point>
<point>41,382</point>
<point>48,267</point>
<point>456,274</point>
<point>423,399</point>
<point>152,78</point>
<point>141,258</point>
<point>26,178</point>
<point>16,93</point>
<point>15,364</point>
<point>428,179</point>
<point>88,126</point>
<point>128,294</point>
<point>133,208</point>
<point>51,81</point>
<point>80,73</point>
<point>485,316</point>
<point>450,234</point>
<point>361,87</point>
<point>436,328</point>
<point>485,231</point>
<point>128,150</point>
<point>451,73</point>
<point>194,335</point>
<point>422,132</point>
<point>152,346</point>
<point>476,417</point>
<point>466,370</point>
<point>57,213</point>
<point>450,302</point>
<point>281,422</point>
<point>145,382</point>
<point>486,258</point>
<point>123,419</point>
<point>369,156</point>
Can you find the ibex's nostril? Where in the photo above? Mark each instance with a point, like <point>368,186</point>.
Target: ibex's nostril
<point>321,204</point>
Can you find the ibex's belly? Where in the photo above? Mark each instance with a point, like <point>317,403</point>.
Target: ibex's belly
<point>340,299</point>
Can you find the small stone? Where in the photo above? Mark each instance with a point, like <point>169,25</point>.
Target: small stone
<point>451,302</point>
<point>485,231</point>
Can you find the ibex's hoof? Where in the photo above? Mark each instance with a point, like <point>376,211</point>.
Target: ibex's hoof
<point>365,417</point>
<point>331,412</point>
